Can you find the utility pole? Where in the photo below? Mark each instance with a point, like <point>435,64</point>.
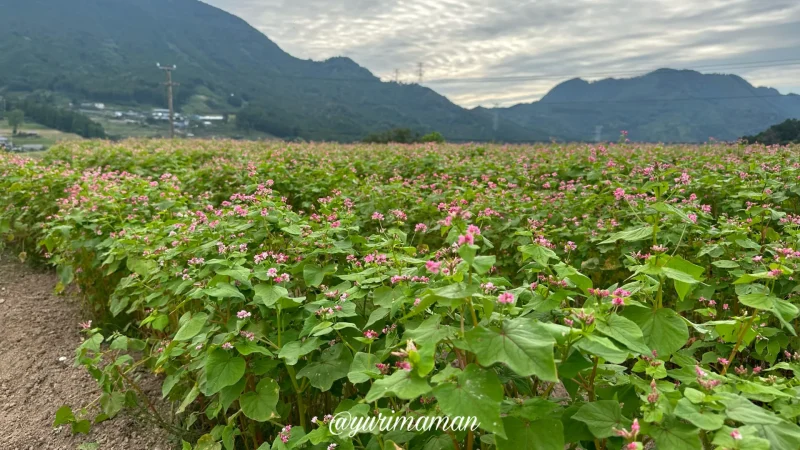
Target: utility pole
<point>169,84</point>
<point>420,72</point>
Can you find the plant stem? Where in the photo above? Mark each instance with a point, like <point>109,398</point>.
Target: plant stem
<point>301,406</point>
<point>739,340</point>
<point>591,380</point>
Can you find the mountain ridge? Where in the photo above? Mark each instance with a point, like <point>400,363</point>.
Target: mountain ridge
<point>667,105</point>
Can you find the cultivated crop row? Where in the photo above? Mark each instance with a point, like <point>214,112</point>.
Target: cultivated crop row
<point>578,296</point>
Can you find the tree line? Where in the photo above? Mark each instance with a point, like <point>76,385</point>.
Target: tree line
<point>784,133</point>
<point>402,136</point>
<point>58,118</point>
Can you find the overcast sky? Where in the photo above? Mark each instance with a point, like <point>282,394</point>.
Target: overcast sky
<point>547,40</point>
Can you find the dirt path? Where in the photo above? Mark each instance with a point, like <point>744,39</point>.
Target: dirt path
<point>36,329</point>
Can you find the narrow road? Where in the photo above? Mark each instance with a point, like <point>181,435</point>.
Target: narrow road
<point>38,337</point>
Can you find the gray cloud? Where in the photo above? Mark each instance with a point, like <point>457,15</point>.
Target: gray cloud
<point>548,40</point>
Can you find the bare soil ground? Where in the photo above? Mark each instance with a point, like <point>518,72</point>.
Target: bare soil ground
<point>37,328</point>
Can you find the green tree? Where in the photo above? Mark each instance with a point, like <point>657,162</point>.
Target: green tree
<point>433,137</point>
<point>15,119</point>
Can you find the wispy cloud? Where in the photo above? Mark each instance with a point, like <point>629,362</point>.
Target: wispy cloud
<point>549,40</point>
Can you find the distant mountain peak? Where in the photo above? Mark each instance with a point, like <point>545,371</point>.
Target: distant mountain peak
<point>671,105</point>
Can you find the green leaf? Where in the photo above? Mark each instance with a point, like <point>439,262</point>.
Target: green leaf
<point>192,327</point>
<point>785,312</point>
<point>249,347</point>
<point>703,419</point>
<point>169,382</point>
<point>758,300</point>
<point>63,416</point>
<point>111,403</point>
<point>231,393</point>
<point>207,442</point>
<point>750,277</point>
<point>602,417</point>
<point>674,435</point>
<point>141,266</point>
<point>292,351</point>
<point>314,275</point>
<point>583,282</point>
<point>402,384</point>
<point>725,264</point>
<point>780,436</point>
<point>222,369</point>
<point>631,235</point>
<point>545,434</point>
<point>483,264</point>
<point>190,397</point>
<point>260,405</point>
<point>663,329</point>
<point>431,331</point>
<point>224,290</point>
<point>747,243</point>
<point>602,347</point>
<point>334,364</point>
<point>238,273</point>
<point>538,253</point>
<point>268,294</point>
<point>684,274</point>
<point>295,230</point>
<point>521,344</point>
<point>624,331</point>
<point>467,253</point>
<point>363,369</point>
<point>477,393</point>
<point>81,426</point>
<point>723,439</point>
<point>742,410</point>
<point>454,291</point>
<point>377,315</point>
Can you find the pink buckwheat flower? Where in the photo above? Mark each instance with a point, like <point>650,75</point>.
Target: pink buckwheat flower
<point>467,238</point>
<point>505,298</point>
<point>243,314</point>
<point>433,266</point>
<point>371,334</point>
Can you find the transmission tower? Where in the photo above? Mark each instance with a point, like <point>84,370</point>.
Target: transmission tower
<point>420,72</point>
